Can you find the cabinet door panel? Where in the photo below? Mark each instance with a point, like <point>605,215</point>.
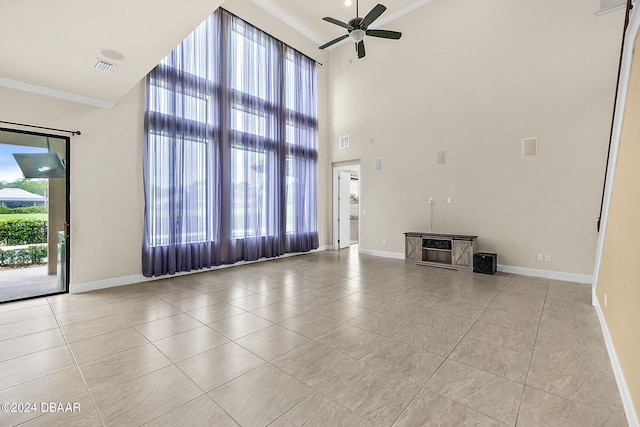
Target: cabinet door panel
<point>463,253</point>
<point>413,248</point>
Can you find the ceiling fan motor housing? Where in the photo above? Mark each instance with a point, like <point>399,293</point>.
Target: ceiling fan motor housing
<point>354,24</point>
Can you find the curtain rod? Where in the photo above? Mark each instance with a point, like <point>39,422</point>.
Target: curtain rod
<point>72,132</point>
<point>261,30</point>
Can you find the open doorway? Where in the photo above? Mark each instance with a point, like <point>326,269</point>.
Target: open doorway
<point>354,208</point>
<point>34,214</point>
<point>346,205</point>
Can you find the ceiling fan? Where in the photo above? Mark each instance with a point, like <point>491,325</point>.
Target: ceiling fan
<point>357,28</point>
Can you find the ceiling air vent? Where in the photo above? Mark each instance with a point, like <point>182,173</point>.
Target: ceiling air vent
<point>344,142</point>
<point>102,65</point>
<point>608,6</point>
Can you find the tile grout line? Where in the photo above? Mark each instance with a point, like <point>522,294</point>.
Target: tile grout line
<point>205,393</point>
<point>314,340</point>
<point>314,390</point>
<point>175,364</point>
<point>154,346</point>
<point>456,346</point>
<point>444,359</point>
<point>451,352</point>
<point>93,400</point>
<point>476,321</point>
<point>535,341</point>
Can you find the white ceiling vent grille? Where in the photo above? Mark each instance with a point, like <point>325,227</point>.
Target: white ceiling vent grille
<point>344,142</point>
<point>104,66</point>
<point>608,6</point>
<point>529,147</point>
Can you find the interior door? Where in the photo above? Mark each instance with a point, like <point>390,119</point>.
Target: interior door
<point>344,202</point>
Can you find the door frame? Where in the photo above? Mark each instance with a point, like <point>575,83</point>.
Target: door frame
<point>67,264</point>
<point>337,168</point>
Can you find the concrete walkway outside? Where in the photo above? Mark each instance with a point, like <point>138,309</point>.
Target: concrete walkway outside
<point>26,282</point>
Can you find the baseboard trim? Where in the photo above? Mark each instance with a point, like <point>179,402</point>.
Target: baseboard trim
<point>627,403</point>
<point>139,278</point>
<point>383,254</point>
<point>547,274</point>
<point>76,288</point>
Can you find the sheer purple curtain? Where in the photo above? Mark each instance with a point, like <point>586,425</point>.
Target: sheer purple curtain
<point>302,152</point>
<point>230,155</point>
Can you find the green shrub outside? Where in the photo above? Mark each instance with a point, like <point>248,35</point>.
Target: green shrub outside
<point>25,210</point>
<point>23,257</point>
<point>23,232</point>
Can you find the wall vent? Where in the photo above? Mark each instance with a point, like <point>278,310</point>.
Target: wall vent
<point>529,147</point>
<point>377,164</point>
<point>441,157</point>
<point>608,6</point>
<point>344,142</point>
<point>104,66</point>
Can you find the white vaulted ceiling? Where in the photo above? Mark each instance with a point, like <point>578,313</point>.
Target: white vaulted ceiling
<point>308,14</point>
<point>50,46</point>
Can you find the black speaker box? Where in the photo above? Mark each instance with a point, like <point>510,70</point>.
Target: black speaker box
<point>484,262</point>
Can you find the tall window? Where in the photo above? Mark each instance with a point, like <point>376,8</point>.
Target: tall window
<point>230,155</point>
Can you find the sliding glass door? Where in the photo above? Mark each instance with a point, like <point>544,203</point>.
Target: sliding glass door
<point>34,214</point>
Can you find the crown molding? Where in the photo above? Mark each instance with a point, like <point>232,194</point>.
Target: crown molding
<point>54,93</point>
<point>287,20</point>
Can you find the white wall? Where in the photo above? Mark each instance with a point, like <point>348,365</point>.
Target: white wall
<point>617,288</point>
<point>105,178</point>
<point>107,199</point>
<point>471,77</point>
<point>475,78</point>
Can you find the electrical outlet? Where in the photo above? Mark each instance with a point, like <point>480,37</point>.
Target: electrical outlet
<point>449,200</point>
<point>384,243</point>
<point>540,257</point>
<point>547,258</point>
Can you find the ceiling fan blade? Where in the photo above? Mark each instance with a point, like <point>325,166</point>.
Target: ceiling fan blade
<point>360,49</point>
<point>334,41</point>
<point>335,21</point>
<point>372,16</point>
<point>385,34</point>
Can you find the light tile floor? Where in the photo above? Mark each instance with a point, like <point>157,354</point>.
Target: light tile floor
<point>323,339</point>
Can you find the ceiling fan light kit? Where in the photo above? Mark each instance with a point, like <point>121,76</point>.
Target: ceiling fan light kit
<point>358,27</point>
<point>356,35</point>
